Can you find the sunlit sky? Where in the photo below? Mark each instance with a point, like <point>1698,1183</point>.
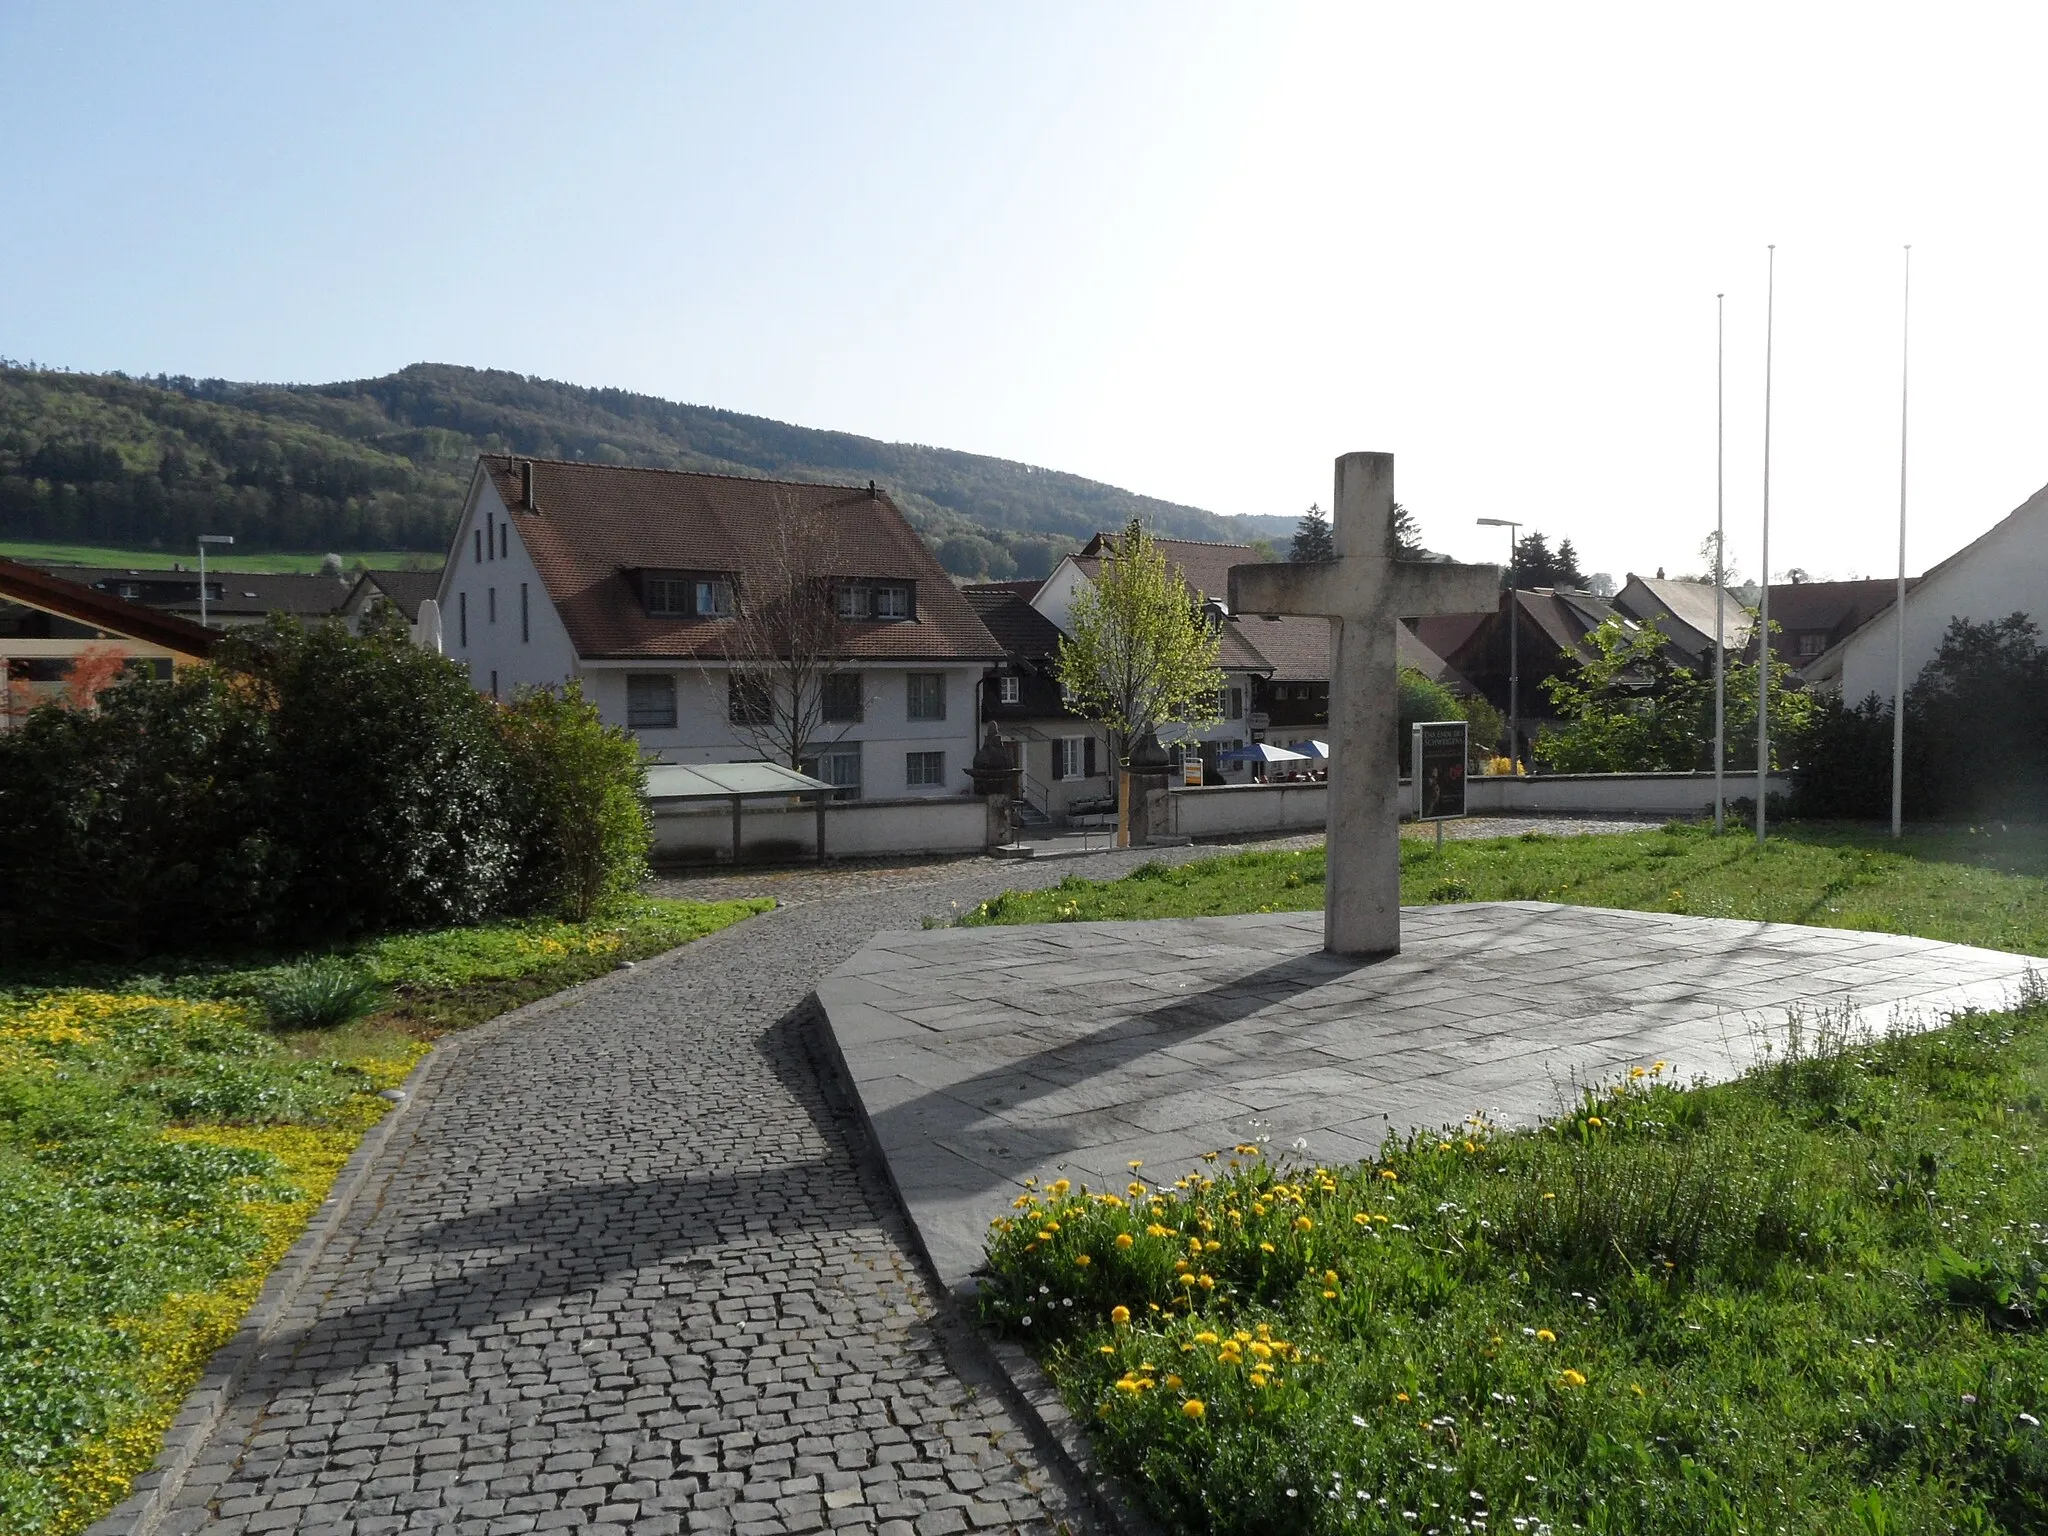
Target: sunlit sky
<point>1194,251</point>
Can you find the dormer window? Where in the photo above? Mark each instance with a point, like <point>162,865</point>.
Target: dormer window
<point>888,601</point>
<point>687,597</point>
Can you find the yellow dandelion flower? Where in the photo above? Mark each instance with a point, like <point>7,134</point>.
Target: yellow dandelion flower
<point>1173,1383</point>
<point>1124,1239</point>
<point>1205,1337</point>
<point>1060,1186</point>
<point>1545,1336</point>
<point>1594,1120</point>
<point>1083,1260</point>
<point>1207,1282</point>
<point>1303,1223</point>
<point>1106,1349</point>
<point>1263,1350</point>
<point>1569,1378</point>
<point>1389,1175</point>
<point>1329,1277</point>
<point>1121,1316</point>
<point>1193,1408</point>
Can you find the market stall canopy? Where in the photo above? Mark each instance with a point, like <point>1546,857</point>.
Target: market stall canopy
<point>1261,752</point>
<point>1311,748</point>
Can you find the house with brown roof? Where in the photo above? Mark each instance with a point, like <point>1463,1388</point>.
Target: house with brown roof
<point>48,623</point>
<point>233,598</point>
<point>1066,760</point>
<point>637,582</point>
<point>406,594</point>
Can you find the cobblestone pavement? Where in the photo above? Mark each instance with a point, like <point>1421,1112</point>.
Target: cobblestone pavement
<point>623,1267</point>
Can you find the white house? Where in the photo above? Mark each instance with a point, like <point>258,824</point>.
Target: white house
<point>627,580</point>
<point>2002,573</point>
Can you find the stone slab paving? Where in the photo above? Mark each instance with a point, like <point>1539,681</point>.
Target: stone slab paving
<point>986,1055</point>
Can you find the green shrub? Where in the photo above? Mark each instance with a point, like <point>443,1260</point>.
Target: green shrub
<point>577,800</point>
<point>318,994</point>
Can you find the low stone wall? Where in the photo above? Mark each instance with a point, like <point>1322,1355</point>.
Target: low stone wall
<point>1251,810</point>
<point>777,830</point>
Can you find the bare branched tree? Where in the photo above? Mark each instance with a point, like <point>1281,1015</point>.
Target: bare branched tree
<point>785,640</point>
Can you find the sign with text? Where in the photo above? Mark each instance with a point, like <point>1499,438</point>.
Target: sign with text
<point>1437,769</point>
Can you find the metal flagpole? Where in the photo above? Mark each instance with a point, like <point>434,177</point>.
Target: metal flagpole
<point>1763,618</point>
<point>1720,543</point>
<point>1899,599</point>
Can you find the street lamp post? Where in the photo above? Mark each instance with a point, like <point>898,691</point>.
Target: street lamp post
<point>204,540</point>
<point>1514,642</point>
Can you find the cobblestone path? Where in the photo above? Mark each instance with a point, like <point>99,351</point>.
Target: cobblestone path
<point>622,1269</point>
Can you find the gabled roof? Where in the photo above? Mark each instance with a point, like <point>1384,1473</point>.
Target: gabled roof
<point>593,526</point>
<point>1205,567</point>
<point>1689,603</point>
<point>236,594</point>
<point>1025,587</point>
<point>1295,646</point>
<point>1021,630</point>
<point>1835,607</point>
<point>406,589</point>
<point>34,588</point>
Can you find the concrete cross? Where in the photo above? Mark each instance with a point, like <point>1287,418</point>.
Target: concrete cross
<point>1364,593</point>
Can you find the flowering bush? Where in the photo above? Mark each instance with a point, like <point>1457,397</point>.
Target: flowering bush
<point>1669,1310</point>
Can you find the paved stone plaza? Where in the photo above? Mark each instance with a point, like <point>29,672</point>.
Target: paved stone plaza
<point>984,1055</point>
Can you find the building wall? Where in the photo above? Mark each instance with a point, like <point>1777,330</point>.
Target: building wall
<point>885,733</point>
<point>2005,572</point>
<point>498,651</point>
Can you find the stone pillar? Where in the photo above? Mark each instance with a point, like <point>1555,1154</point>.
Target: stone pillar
<point>1144,773</point>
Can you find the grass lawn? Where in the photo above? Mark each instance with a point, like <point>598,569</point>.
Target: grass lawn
<point>161,559</point>
<point>1979,886</point>
<point>161,1147</point>
<point>1814,1300</point>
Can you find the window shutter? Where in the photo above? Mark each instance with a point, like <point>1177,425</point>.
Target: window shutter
<point>1088,759</point>
<point>1059,758</point>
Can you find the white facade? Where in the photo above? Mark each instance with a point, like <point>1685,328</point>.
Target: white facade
<point>2003,573</point>
<point>498,621</point>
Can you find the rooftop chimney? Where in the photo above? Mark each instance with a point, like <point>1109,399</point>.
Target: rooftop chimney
<point>871,490</point>
<point>526,484</point>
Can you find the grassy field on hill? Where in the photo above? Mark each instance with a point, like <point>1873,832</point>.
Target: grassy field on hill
<point>271,561</point>
<point>1968,885</point>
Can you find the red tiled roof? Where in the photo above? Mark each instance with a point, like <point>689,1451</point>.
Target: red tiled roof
<point>34,588</point>
<point>596,524</point>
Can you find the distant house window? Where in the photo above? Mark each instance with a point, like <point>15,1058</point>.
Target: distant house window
<point>838,766</point>
<point>748,701</point>
<point>504,541</point>
<point>892,602</point>
<point>494,682</point>
<point>650,701</point>
<point>525,624</point>
<point>490,538</point>
<point>842,697</point>
<point>922,770</point>
<point>667,599</point>
<point>1233,704</point>
<point>1812,643</point>
<point>855,600</point>
<point>1009,688</point>
<point>479,545</point>
<point>1073,757</point>
<point>927,695</point>
<point>714,599</point>
<point>462,616</point>
<point>851,600</point>
<point>492,596</point>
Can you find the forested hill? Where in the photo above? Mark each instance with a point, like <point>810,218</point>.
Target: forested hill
<point>382,463</point>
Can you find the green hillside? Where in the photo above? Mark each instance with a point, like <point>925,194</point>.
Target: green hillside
<point>104,459</point>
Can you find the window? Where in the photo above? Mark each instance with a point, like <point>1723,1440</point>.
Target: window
<point>650,701</point>
<point>494,682</point>
<point>1073,757</point>
<point>851,600</point>
<point>842,697</point>
<point>492,596</point>
<point>865,600</point>
<point>1009,688</point>
<point>490,538</point>
<point>479,545</point>
<point>892,602</point>
<point>462,616</point>
<point>748,701</point>
<point>927,695</point>
<point>838,766</point>
<point>923,770</point>
<point>667,599</point>
<point>714,599</point>
<point>505,540</point>
<point>525,626</point>
<point>1812,643</point>
<point>1233,704</point>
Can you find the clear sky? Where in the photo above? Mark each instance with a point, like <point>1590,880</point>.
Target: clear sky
<point>1195,251</point>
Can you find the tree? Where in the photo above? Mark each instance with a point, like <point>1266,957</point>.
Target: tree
<point>577,788</point>
<point>785,641</point>
<point>1568,573</point>
<point>1730,576</point>
<point>1313,540</point>
<point>1405,533</point>
<point>1537,565</point>
<point>1633,709</point>
<point>1140,651</point>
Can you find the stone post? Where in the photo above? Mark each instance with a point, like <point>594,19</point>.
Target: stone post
<point>1144,772</point>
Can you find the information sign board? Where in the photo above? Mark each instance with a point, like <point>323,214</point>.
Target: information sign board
<point>1437,756</point>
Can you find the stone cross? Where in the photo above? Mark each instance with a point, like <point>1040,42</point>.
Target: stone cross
<point>1364,593</point>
